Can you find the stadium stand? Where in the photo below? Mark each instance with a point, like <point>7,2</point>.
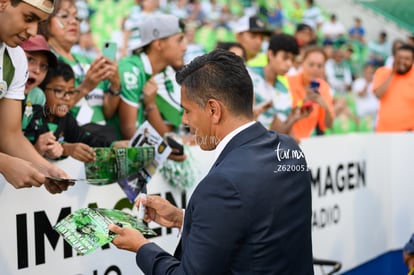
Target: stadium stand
<point>401,12</point>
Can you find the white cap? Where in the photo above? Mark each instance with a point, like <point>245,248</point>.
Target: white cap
<point>158,26</point>
<point>43,5</point>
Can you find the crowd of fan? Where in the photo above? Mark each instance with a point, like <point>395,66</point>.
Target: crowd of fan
<point>350,64</point>
<point>311,74</point>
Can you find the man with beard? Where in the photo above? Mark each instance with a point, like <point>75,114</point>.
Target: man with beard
<point>393,87</point>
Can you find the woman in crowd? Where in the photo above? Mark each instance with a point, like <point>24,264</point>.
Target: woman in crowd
<point>97,80</point>
<point>309,90</point>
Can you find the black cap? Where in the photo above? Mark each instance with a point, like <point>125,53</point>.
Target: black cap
<point>251,24</point>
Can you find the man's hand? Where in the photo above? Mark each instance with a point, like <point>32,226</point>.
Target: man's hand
<point>44,142</point>
<point>55,186</point>
<point>112,74</point>
<point>54,151</point>
<point>315,97</point>
<point>95,74</point>
<point>161,211</point>
<point>121,144</point>
<point>150,92</point>
<point>261,108</point>
<point>300,113</point>
<point>20,173</point>
<point>408,260</point>
<point>175,157</point>
<point>128,238</point>
<point>79,151</point>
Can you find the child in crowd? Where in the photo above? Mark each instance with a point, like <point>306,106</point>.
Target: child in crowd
<point>281,53</point>
<point>39,59</point>
<point>59,88</point>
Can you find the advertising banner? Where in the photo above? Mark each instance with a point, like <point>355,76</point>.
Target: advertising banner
<point>362,188</point>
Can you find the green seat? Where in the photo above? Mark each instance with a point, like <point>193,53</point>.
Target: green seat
<point>400,12</point>
<point>107,17</point>
<point>208,37</point>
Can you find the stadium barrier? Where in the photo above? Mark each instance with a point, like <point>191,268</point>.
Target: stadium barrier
<point>362,186</point>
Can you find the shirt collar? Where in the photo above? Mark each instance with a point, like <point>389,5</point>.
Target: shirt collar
<point>146,62</point>
<point>2,48</point>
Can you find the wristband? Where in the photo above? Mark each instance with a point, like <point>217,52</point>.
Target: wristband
<point>114,93</point>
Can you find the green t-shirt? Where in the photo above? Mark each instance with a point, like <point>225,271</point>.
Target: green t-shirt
<point>259,61</point>
<point>34,97</point>
<point>135,71</point>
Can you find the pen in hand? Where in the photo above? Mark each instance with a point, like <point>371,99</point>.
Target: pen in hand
<point>141,206</point>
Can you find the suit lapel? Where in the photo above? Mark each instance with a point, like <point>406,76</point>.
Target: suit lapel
<point>245,136</point>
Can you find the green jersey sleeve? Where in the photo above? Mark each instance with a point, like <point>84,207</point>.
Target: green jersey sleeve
<point>133,79</point>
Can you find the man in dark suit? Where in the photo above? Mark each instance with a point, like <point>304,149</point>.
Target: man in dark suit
<point>251,214</point>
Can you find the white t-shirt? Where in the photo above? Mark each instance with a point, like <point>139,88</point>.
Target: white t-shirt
<point>365,105</point>
<point>389,62</point>
<point>313,17</point>
<point>19,60</point>
<point>383,49</point>
<point>332,29</point>
<point>338,76</point>
<point>173,97</point>
<point>264,92</point>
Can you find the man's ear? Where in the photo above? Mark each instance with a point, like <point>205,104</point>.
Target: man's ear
<point>156,44</point>
<point>215,109</point>
<point>238,37</point>
<point>270,54</point>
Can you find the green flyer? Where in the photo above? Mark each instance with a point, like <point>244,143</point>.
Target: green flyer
<point>87,229</point>
<point>113,164</point>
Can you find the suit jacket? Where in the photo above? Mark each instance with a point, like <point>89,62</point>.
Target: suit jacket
<point>251,214</point>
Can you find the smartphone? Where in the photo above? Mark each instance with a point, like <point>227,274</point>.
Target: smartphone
<point>175,145</point>
<point>306,105</point>
<point>314,85</point>
<point>62,180</point>
<point>109,50</point>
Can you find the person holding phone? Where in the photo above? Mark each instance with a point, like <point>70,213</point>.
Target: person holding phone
<point>109,50</point>
<point>309,89</point>
<point>97,80</point>
<point>282,50</point>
